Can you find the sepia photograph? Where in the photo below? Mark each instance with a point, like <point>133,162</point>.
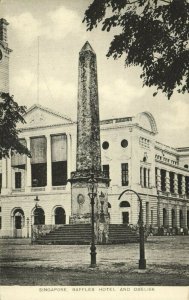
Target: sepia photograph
<point>94,149</point>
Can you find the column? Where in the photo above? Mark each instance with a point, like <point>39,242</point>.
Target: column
<point>4,173</point>
<point>158,179</point>
<point>175,183</point>
<point>183,185</point>
<point>177,215</point>
<point>169,212</point>
<point>149,179</point>
<point>69,158</point>
<point>142,176</point>
<point>4,176</point>
<point>69,154</point>
<point>184,221</point>
<point>167,182</point>
<point>160,213</point>
<point>28,168</point>
<point>9,174</point>
<point>49,163</point>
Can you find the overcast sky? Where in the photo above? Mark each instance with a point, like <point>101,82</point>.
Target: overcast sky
<point>58,24</point>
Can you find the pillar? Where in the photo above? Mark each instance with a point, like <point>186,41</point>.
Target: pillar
<point>149,179</point>
<point>4,173</point>
<point>49,163</point>
<point>184,222</point>
<point>160,215</point>
<point>177,215</point>
<point>28,168</point>
<point>9,174</point>
<point>183,185</point>
<point>142,176</point>
<point>167,182</point>
<point>175,183</point>
<point>158,179</point>
<point>169,212</point>
<point>69,158</point>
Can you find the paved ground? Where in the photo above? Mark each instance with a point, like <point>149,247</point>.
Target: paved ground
<point>26,264</point>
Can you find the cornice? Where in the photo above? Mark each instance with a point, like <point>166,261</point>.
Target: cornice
<point>173,166</point>
<point>46,126</point>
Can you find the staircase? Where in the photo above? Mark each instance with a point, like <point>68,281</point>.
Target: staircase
<point>81,234</point>
<point>122,234</point>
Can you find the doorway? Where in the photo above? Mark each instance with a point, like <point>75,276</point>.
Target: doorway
<point>18,222</point>
<point>60,216</point>
<point>125,217</point>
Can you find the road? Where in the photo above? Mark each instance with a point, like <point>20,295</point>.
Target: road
<point>26,264</point>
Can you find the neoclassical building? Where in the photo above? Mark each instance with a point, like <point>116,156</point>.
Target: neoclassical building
<point>131,157</point>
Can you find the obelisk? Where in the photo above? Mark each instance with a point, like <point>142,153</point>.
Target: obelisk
<point>88,155</point>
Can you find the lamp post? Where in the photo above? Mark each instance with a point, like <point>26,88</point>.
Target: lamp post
<point>36,221</point>
<point>142,260</point>
<point>101,197</point>
<point>27,227</point>
<point>92,192</point>
<point>36,208</point>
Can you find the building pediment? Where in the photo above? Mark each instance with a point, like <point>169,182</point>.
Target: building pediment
<point>39,116</point>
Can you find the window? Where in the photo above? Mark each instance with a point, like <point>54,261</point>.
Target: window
<point>145,181</point>
<point>59,173</point>
<point>171,177</point>
<point>124,174</point>
<point>0,182</point>
<point>163,182</point>
<point>106,171</point>
<point>180,184</point>
<point>18,177</point>
<point>186,166</point>
<point>105,145</point>
<point>124,204</point>
<point>124,143</point>
<point>39,161</point>
<point>187,184</point>
<point>59,159</point>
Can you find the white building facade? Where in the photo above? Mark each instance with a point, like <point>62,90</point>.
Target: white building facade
<point>131,157</point>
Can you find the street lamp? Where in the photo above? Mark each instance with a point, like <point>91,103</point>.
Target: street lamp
<point>142,260</point>
<point>92,193</point>
<point>36,210</point>
<point>101,197</point>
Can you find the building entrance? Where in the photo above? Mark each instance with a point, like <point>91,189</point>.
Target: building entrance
<point>125,217</point>
<point>60,216</point>
<point>18,220</point>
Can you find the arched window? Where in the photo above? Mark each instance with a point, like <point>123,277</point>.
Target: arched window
<point>164,217</point>
<point>173,217</point>
<point>180,217</point>
<point>124,204</point>
<point>19,218</point>
<point>109,205</point>
<point>60,216</point>
<point>39,216</point>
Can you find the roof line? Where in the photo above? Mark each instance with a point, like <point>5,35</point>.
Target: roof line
<point>48,110</point>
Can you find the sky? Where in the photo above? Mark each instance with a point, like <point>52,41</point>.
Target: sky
<point>58,27</point>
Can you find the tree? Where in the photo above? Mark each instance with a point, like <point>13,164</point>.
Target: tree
<point>153,34</point>
<point>10,114</point>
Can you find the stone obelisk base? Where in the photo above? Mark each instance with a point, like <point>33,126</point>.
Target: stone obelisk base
<point>81,206</point>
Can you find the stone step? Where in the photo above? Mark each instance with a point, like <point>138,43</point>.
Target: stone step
<point>81,234</point>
